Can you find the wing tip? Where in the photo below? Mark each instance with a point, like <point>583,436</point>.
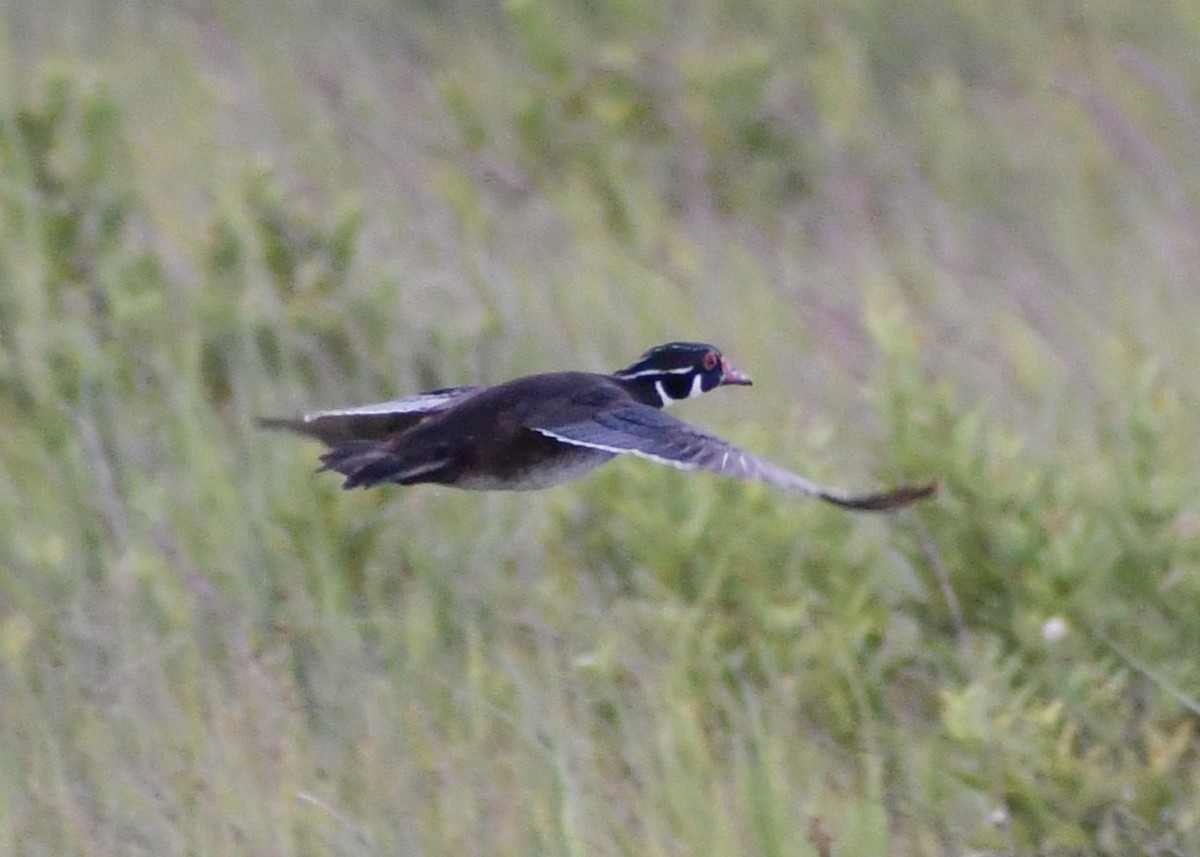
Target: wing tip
<point>884,501</point>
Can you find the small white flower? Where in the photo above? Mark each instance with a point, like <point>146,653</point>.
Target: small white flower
<point>1055,629</point>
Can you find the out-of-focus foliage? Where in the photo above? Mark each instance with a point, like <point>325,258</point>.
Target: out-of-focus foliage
<point>947,241</point>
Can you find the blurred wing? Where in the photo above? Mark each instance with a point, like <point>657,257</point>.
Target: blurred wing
<point>370,422</point>
<point>649,433</point>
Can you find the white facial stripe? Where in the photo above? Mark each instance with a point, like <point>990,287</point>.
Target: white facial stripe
<point>662,394</point>
<point>629,376</point>
<point>697,387</point>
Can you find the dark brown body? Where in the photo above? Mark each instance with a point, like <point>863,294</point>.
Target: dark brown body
<point>488,440</point>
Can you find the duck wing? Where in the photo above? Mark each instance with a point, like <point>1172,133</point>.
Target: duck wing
<point>651,434</point>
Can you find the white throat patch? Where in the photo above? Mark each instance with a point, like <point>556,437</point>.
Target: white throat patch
<point>696,389</point>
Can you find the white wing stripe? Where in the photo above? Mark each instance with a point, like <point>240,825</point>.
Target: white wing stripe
<point>619,450</point>
<point>412,405</point>
<point>419,470</point>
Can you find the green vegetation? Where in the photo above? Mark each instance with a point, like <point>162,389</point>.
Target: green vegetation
<point>947,239</point>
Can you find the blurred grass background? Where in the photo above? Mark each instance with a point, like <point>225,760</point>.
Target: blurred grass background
<point>946,238</point>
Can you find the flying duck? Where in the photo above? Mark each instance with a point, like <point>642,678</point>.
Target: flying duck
<point>540,430</point>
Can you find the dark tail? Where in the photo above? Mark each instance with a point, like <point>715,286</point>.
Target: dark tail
<point>281,424</point>
<point>317,429</point>
<point>365,463</point>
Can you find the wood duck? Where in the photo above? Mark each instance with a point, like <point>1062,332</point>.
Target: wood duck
<point>541,430</point>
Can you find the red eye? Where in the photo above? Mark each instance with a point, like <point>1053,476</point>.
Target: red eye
<point>710,360</point>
